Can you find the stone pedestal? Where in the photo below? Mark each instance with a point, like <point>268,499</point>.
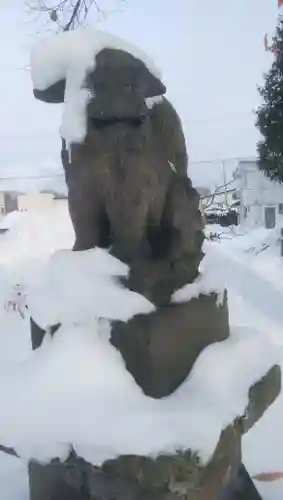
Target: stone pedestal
<point>168,477</point>
<point>160,348</point>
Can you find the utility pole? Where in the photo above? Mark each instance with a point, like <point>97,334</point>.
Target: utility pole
<point>225,182</point>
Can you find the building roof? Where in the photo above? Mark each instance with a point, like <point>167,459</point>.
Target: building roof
<point>248,160</point>
<point>58,196</point>
<point>203,191</point>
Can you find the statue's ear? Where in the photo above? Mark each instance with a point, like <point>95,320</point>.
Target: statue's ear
<point>112,62</point>
<point>151,85</point>
<point>53,94</point>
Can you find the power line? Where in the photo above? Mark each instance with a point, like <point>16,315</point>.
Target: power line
<point>48,135</point>
<point>28,177</point>
<point>221,118</point>
<point>221,160</point>
<point>61,174</point>
<point>54,135</point>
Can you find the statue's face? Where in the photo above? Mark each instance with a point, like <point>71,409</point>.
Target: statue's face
<point>119,86</point>
<point>116,94</point>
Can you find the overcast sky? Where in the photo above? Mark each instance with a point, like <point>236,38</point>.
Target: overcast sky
<point>211,55</point>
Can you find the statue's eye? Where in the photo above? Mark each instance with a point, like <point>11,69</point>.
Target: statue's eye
<point>128,87</point>
<point>99,87</point>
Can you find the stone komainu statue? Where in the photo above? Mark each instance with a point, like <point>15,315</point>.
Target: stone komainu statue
<point>127,182</point>
<point>129,191</point>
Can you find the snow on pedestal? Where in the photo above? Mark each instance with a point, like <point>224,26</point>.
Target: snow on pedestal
<point>75,389</point>
<point>77,288</point>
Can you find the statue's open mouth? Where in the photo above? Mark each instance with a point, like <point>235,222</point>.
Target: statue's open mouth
<point>100,123</point>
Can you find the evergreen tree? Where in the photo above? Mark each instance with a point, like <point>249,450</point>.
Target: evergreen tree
<point>270,114</point>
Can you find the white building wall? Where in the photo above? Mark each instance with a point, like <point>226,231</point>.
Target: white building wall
<point>60,202</point>
<point>257,193</point>
<point>35,201</point>
<point>2,206</point>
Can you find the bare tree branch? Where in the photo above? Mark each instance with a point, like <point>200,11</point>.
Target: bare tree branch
<point>68,14</point>
<point>73,16</point>
<point>212,196</point>
<point>8,451</point>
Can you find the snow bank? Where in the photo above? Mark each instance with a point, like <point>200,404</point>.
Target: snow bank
<point>12,220</point>
<point>258,251</point>
<point>255,241</point>
<point>75,390</point>
<point>79,287</point>
<point>71,55</point>
<point>33,237</point>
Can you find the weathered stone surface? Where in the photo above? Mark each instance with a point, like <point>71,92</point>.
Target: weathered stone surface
<point>54,482</point>
<point>261,397</point>
<point>160,348</point>
<point>124,198</point>
<point>132,478</point>
<point>127,182</point>
<point>168,477</point>
<point>119,85</point>
<point>176,247</point>
<point>58,481</point>
<point>224,465</point>
<point>158,280</point>
<point>139,478</point>
<point>242,488</point>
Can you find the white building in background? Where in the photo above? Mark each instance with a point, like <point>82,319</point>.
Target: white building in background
<point>30,201</point>
<point>35,201</point>
<point>8,203</point>
<point>261,200</point>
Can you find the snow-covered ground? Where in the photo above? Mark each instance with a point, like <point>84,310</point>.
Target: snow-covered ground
<point>255,296</point>
<point>252,269</point>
